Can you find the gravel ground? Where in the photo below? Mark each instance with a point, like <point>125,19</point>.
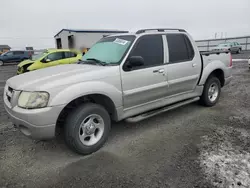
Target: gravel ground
<point>192,146</point>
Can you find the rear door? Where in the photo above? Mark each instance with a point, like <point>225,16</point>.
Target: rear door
<point>70,57</point>
<point>146,83</point>
<point>233,47</point>
<point>183,67</point>
<point>237,46</point>
<point>18,56</point>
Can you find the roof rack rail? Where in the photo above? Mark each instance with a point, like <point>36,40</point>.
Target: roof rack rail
<point>159,30</point>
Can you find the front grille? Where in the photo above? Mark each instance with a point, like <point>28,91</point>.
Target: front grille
<point>10,89</point>
<point>9,93</point>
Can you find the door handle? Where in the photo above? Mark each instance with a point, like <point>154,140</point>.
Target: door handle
<point>158,71</point>
<point>194,64</point>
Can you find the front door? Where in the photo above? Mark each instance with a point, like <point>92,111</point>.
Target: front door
<point>183,67</point>
<point>9,57</point>
<point>53,59</point>
<point>146,83</point>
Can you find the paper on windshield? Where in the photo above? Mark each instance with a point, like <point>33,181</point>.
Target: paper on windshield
<point>120,41</point>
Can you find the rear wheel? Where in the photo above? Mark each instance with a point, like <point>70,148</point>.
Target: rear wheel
<point>1,63</point>
<point>87,128</point>
<point>211,91</point>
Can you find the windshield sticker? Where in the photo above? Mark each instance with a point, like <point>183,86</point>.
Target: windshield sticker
<point>120,41</point>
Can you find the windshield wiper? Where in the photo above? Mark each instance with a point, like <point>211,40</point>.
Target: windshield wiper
<point>97,61</point>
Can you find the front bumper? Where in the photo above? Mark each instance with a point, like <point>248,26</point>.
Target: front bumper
<point>37,124</point>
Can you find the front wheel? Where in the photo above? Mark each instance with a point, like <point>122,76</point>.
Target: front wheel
<point>211,92</point>
<point>1,63</point>
<point>238,52</point>
<point>87,128</point>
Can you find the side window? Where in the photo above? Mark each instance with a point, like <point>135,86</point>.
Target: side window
<point>55,56</point>
<point>150,48</point>
<point>9,54</point>
<point>70,54</point>
<point>189,47</point>
<point>180,48</point>
<point>18,52</point>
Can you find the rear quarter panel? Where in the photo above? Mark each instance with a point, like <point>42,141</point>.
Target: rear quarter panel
<point>214,62</point>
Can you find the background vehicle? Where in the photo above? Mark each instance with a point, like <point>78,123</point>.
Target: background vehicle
<point>231,46</point>
<point>129,76</point>
<point>49,58</point>
<point>14,56</point>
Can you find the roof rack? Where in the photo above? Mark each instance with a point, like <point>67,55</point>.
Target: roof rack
<point>159,30</point>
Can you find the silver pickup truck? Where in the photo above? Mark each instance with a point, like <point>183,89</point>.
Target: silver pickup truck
<point>130,77</point>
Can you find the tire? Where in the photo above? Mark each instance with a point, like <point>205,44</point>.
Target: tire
<point>238,52</point>
<point>77,132</point>
<point>206,98</point>
<point>1,63</point>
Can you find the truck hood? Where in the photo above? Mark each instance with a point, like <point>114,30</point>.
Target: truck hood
<point>51,77</point>
<point>25,62</point>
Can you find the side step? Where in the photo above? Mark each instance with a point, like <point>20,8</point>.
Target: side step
<point>149,114</point>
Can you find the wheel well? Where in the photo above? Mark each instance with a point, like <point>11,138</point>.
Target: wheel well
<point>220,75</point>
<point>103,100</point>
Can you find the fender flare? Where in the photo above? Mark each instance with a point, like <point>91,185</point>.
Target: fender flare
<point>77,90</point>
<point>212,66</point>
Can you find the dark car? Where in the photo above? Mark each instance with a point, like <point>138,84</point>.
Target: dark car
<point>14,56</point>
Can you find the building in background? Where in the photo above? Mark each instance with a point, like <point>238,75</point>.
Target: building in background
<point>81,39</point>
<point>4,48</point>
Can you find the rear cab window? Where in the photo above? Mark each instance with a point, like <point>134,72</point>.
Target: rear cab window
<point>180,48</point>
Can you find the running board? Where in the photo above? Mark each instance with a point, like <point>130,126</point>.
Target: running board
<point>149,114</point>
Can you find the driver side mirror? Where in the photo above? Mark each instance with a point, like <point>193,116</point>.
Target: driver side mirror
<point>134,61</point>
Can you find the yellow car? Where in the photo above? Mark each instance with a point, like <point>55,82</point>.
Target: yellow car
<point>48,58</point>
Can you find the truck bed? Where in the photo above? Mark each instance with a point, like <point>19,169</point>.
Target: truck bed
<point>219,59</point>
<point>209,56</point>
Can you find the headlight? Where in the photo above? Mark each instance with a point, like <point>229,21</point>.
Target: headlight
<point>33,99</point>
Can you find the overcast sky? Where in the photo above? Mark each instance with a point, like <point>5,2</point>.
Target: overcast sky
<point>35,22</point>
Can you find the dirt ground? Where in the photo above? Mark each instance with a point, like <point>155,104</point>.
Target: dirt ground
<point>192,146</point>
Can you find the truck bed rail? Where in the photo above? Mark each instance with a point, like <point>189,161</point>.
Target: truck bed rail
<point>207,53</point>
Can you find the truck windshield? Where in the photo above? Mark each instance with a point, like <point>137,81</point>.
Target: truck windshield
<point>109,50</point>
